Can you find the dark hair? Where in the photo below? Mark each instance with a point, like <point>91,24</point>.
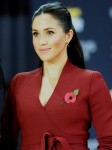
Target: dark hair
<point>58,11</point>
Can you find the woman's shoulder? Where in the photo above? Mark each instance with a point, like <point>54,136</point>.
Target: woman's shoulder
<point>25,75</point>
<point>81,73</point>
<point>91,72</point>
<point>87,72</point>
<point>29,73</point>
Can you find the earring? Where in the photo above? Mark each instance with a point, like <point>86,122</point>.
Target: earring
<point>67,44</point>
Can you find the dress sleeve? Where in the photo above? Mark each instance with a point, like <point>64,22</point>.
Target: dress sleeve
<point>10,125</point>
<point>101,111</point>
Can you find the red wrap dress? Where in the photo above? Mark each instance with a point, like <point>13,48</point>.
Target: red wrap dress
<point>59,125</point>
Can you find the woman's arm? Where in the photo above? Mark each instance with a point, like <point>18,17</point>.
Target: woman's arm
<point>101,111</point>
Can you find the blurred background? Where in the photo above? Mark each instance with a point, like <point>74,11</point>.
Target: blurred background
<point>91,19</point>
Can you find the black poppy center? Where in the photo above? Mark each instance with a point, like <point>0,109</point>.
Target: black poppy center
<point>70,97</point>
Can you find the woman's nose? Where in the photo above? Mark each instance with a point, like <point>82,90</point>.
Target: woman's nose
<point>42,40</point>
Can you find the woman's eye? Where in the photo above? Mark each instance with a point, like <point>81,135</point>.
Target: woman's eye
<point>35,34</point>
<point>50,32</point>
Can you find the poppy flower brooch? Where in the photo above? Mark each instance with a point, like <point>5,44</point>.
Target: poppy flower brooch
<point>70,97</point>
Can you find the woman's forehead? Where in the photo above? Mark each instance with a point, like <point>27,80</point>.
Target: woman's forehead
<point>45,21</point>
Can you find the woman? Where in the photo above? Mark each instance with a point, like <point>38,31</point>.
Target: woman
<point>54,105</point>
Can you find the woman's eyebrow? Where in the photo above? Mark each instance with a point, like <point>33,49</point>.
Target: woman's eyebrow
<point>44,29</point>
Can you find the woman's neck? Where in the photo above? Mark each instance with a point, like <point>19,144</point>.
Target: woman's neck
<point>53,69</point>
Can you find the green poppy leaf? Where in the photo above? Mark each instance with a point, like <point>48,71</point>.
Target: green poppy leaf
<point>76,91</point>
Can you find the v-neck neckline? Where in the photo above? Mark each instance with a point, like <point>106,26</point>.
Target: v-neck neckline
<point>57,87</point>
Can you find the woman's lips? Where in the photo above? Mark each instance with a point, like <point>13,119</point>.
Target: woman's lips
<point>44,50</point>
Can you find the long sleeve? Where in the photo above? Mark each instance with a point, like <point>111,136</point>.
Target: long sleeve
<point>101,111</point>
<point>10,125</point>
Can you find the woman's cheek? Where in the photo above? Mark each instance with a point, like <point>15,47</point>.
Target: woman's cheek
<point>57,42</point>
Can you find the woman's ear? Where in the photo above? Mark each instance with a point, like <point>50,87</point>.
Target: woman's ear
<point>69,36</point>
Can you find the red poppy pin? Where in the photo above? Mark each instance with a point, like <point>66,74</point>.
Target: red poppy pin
<point>70,97</point>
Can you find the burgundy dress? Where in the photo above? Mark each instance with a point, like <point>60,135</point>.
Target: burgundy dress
<point>59,125</point>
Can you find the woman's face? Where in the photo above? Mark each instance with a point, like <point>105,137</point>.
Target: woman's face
<point>49,39</point>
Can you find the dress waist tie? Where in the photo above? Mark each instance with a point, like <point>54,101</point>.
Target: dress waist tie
<point>49,142</point>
